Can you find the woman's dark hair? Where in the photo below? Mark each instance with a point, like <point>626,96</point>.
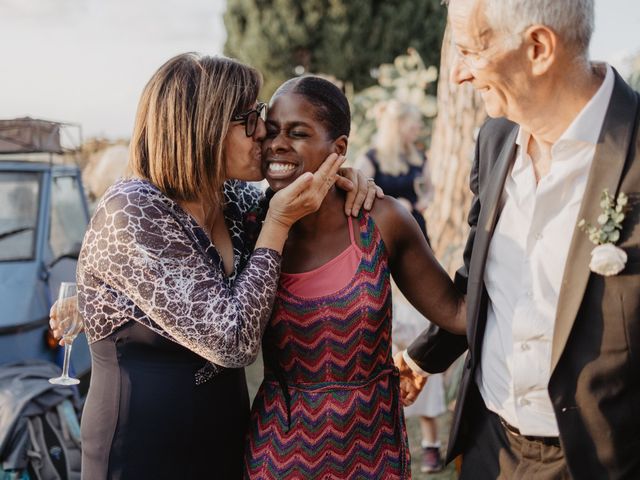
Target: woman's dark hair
<point>332,106</point>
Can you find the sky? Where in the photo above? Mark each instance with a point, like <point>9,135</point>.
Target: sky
<point>87,61</point>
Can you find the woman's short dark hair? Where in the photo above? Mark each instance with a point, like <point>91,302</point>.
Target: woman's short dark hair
<point>332,106</point>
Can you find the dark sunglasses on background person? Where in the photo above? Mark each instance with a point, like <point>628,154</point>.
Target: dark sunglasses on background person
<point>250,119</point>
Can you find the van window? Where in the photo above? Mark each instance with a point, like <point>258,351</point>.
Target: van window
<point>19,200</point>
<point>68,219</point>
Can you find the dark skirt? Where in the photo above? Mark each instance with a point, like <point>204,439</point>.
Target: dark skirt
<point>145,417</point>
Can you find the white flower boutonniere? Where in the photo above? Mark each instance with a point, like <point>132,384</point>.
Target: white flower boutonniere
<point>606,258</point>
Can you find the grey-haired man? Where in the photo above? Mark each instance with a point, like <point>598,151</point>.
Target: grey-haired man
<point>551,383</point>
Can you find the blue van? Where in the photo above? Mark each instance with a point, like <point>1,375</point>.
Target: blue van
<point>43,217</point>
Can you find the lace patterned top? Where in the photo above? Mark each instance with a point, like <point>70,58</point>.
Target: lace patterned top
<point>145,259</point>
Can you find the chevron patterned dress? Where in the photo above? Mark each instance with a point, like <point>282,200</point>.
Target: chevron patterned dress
<point>329,405</point>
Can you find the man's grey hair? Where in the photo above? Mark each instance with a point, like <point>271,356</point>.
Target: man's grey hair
<point>572,20</point>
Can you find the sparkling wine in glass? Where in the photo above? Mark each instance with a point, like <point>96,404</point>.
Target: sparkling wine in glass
<point>71,324</point>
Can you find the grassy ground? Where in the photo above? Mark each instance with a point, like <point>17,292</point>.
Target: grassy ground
<point>254,377</point>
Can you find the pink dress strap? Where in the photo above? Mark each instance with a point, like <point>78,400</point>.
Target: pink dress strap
<point>328,278</point>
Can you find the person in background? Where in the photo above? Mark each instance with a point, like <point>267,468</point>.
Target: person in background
<point>395,163</point>
<point>551,382</point>
<point>173,291</point>
<point>329,406</point>
<point>401,169</point>
<point>408,323</point>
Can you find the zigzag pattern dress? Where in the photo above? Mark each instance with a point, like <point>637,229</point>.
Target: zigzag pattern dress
<point>329,405</point>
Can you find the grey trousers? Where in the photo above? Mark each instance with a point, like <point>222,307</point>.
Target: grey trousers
<point>492,453</point>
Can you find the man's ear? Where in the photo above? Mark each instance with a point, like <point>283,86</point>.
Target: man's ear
<point>541,43</point>
<point>340,145</point>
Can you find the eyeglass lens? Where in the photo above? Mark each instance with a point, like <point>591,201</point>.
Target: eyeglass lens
<point>252,119</point>
<point>252,122</point>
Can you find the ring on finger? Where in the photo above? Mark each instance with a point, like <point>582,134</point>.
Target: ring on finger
<point>370,179</point>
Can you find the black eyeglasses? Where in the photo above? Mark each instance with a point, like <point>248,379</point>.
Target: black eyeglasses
<point>250,118</point>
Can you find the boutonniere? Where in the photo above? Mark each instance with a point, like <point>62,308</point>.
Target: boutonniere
<point>606,258</point>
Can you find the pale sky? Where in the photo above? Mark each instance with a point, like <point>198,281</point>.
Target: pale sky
<point>87,61</point>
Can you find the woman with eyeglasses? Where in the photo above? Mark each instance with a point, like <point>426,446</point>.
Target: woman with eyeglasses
<point>173,292</point>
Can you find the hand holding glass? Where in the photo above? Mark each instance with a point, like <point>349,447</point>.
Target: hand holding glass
<point>70,323</point>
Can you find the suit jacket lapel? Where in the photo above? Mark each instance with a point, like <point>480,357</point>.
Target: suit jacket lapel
<point>606,170</point>
<point>491,203</point>
<point>487,220</point>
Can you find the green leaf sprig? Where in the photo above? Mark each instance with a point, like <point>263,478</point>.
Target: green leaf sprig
<point>609,221</point>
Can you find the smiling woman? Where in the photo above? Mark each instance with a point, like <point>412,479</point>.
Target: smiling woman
<point>301,128</point>
<point>329,401</point>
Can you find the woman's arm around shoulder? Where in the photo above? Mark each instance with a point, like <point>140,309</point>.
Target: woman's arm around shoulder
<point>415,269</point>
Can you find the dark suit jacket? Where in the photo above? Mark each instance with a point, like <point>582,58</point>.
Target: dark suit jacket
<point>595,364</point>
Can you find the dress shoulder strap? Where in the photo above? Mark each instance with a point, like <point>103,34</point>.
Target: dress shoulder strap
<point>351,237</point>
<point>369,234</point>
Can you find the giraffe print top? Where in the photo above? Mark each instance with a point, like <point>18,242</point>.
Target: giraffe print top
<point>145,259</point>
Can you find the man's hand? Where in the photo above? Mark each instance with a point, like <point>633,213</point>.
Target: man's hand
<point>411,383</point>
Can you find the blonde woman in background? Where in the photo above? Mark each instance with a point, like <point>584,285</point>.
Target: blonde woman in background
<point>400,168</point>
<point>395,162</point>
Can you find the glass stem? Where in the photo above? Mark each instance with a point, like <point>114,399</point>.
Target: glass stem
<point>67,359</point>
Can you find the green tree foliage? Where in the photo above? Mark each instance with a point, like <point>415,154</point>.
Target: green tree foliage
<point>344,38</point>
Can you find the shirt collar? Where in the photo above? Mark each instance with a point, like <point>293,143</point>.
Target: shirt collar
<point>588,123</point>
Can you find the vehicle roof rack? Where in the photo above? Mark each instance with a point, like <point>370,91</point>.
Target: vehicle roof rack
<point>37,139</point>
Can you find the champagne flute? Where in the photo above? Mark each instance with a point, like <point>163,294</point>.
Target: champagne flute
<point>71,324</point>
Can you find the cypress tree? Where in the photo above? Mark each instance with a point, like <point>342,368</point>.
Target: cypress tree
<point>348,39</point>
